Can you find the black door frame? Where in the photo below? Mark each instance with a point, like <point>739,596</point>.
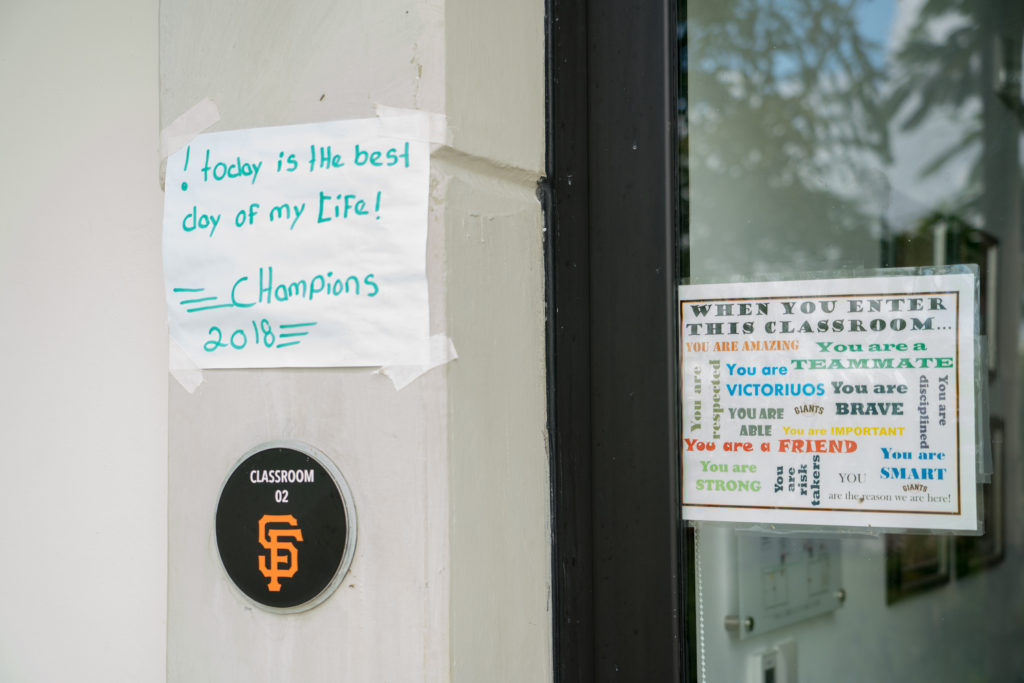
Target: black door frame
<point>612,212</point>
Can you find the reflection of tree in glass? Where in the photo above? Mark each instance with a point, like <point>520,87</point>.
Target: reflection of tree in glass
<point>684,140</point>
<point>788,132</point>
<point>938,68</point>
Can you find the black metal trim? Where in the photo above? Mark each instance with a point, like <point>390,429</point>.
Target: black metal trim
<point>612,211</point>
<point>569,337</point>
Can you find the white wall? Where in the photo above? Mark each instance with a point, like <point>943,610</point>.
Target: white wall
<point>83,351</point>
<point>500,531</point>
<point>83,477</point>
<point>451,575</point>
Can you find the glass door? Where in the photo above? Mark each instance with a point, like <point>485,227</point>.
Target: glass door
<point>834,137</point>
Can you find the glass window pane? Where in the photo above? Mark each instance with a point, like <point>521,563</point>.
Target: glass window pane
<point>825,136</point>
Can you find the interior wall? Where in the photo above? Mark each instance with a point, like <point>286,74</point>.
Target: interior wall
<point>83,344</point>
<point>966,630</point>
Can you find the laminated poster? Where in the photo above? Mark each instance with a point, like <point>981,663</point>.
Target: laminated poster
<point>299,245</point>
<point>844,402</point>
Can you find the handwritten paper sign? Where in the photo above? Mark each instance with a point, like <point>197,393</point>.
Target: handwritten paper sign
<point>830,402</point>
<point>299,245</point>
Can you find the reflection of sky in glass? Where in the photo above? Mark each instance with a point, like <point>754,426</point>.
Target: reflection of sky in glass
<point>914,192</point>
<point>884,25</point>
<point>788,107</point>
<point>874,19</point>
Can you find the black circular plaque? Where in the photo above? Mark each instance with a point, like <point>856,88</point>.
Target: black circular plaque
<point>286,526</point>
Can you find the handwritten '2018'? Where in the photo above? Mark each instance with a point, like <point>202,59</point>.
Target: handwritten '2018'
<point>263,334</point>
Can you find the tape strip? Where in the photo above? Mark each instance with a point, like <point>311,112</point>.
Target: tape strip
<point>183,129</point>
<point>441,350</point>
<point>183,369</point>
<point>431,127</point>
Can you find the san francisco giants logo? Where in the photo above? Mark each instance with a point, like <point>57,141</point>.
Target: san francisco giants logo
<point>278,565</point>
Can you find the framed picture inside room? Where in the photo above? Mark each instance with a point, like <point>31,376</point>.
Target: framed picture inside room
<point>914,564</point>
<point>942,238</point>
<point>975,553</point>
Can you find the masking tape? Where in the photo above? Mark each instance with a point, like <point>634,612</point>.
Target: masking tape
<point>183,129</point>
<point>430,127</point>
<point>183,368</point>
<point>440,350</point>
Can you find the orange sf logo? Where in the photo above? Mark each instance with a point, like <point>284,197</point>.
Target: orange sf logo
<point>279,565</point>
